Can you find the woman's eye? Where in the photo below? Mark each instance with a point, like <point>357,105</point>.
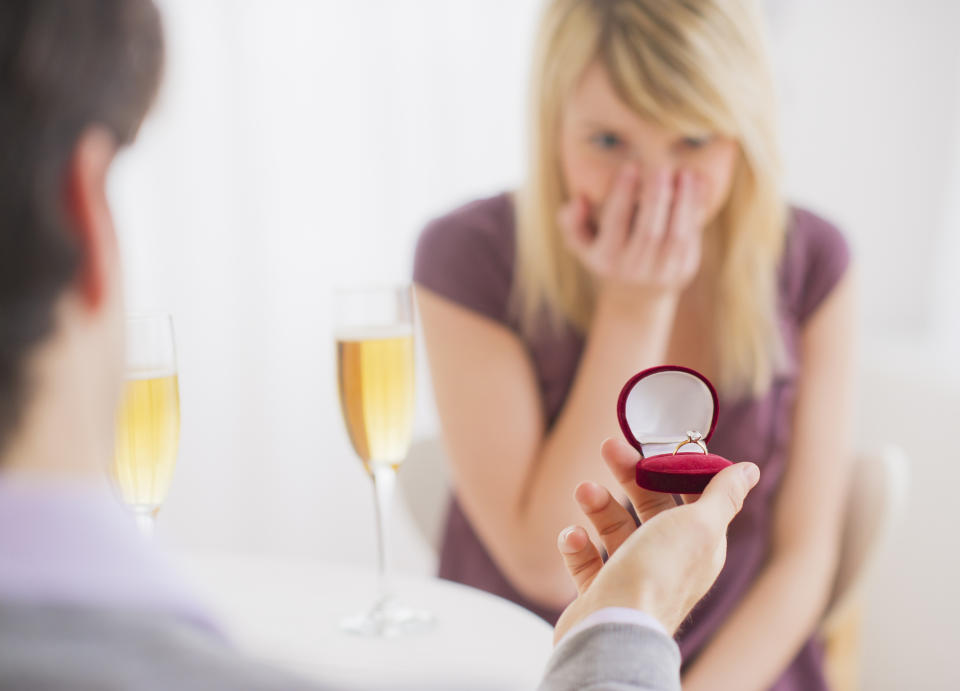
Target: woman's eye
<point>606,140</point>
<point>696,142</point>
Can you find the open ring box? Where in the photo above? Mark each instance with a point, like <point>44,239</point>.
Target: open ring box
<point>668,414</point>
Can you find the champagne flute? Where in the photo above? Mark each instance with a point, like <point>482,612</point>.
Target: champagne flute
<point>148,422</point>
<point>374,340</point>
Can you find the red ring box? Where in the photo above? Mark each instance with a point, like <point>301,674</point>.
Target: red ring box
<point>657,409</point>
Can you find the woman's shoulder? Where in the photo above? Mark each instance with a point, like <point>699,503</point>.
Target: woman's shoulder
<point>816,256</point>
<point>467,254</point>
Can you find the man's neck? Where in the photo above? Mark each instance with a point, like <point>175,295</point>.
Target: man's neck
<point>65,430</point>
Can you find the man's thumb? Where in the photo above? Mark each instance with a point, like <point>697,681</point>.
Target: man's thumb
<point>723,497</point>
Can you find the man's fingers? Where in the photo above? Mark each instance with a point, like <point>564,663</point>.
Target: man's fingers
<point>622,460</point>
<point>580,555</point>
<point>613,523</point>
<point>723,497</point>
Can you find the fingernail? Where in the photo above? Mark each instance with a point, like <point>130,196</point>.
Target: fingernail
<point>585,494</point>
<point>751,472</point>
<point>589,484</point>
<point>562,540</point>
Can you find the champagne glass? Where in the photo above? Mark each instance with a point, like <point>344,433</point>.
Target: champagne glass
<point>374,340</point>
<point>148,422</point>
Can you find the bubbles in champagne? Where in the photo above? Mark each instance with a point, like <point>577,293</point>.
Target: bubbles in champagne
<point>147,436</point>
<point>376,384</point>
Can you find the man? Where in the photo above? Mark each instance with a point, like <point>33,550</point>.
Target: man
<point>84,602</point>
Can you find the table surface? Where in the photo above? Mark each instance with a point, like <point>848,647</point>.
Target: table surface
<point>287,612</point>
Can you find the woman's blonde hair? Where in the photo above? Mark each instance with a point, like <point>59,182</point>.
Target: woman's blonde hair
<point>688,65</point>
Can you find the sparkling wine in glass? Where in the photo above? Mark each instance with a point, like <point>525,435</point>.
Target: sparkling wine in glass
<point>148,422</point>
<point>375,374</point>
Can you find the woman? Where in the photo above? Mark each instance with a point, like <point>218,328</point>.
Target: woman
<point>650,230</point>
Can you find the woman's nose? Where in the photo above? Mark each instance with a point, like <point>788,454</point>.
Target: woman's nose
<point>650,174</point>
<point>653,166</point>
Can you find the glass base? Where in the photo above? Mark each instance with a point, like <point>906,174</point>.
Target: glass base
<point>387,620</point>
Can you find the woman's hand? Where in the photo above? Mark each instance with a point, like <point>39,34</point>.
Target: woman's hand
<point>646,239</point>
<point>665,566</point>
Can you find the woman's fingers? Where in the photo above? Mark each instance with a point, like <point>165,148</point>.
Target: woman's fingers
<point>647,234</point>
<point>622,460</point>
<point>574,221</point>
<point>580,555</point>
<point>617,214</point>
<point>651,224</point>
<point>613,523</point>
<point>680,245</point>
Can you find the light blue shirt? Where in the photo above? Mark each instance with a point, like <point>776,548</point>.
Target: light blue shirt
<point>71,542</point>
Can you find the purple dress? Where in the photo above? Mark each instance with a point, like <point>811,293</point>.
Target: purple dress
<point>467,256</point>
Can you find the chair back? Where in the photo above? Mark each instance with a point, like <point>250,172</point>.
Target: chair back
<point>876,501</point>
<point>424,485</point>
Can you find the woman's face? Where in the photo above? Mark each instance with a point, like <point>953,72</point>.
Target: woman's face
<point>599,134</point>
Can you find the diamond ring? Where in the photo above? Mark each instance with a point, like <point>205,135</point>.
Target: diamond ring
<point>692,438</point>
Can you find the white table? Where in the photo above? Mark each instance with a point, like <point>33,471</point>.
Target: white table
<point>287,612</point>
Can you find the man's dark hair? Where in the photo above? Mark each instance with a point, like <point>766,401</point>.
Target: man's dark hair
<point>65,65</point>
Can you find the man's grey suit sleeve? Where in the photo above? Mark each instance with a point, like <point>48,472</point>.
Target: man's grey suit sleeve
<point>614,657</point>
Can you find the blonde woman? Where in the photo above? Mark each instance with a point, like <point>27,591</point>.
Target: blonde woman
<point>650,230</point>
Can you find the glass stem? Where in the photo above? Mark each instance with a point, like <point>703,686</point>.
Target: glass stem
<point>384,478</point>
<point>146,521</point>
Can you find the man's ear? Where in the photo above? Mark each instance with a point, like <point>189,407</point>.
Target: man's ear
<point>88,214</point>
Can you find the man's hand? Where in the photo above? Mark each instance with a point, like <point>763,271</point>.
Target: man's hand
<point>665,566</point>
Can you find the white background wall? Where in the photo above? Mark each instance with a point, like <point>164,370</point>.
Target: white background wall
<point>302,144</point>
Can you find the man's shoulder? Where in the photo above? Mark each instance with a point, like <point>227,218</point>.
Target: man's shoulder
<point>614,657</point>
<point>65,646</point>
